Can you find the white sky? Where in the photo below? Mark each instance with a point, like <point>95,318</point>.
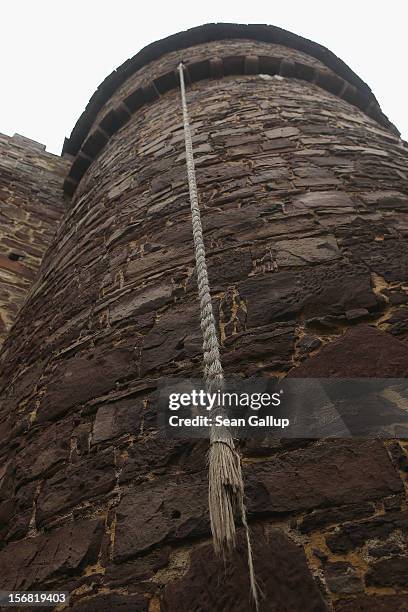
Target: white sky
<point>54,54</point>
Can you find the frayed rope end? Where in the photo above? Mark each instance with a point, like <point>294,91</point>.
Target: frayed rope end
<point>226,497</point>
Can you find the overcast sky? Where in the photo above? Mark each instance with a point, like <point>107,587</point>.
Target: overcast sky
<point>55,53</point>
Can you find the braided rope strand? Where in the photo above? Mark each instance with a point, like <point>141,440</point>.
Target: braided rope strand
<point>226,485</point>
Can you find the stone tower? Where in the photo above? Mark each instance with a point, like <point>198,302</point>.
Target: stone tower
<point>304,192</point>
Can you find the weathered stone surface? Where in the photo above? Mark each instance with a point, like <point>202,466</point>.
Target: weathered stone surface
<point>386,258</point>
<point>270,298</point>
<point>16,512</point>
<point>332,473</point>
<point>379,603</point>
<point>322,518</point>
<point>158,455</point>
<point>320,200</point>
<point>394,200</point>
<point>354,535</point>
<point>282,132</point>
<point>362,351</point>
<point>341,577</point>
<point>398,456</point>
<point>109,602</point>
<point>33,561</point>
<point>281,570</point>
<point>306,251</point>
<point>41,455</point>
<point>270,346</point>
<point>392,572</point>
<point>137,572</point>
<point>315,177</point>
<point>398,323</point>
<point>167,342</point>
<point>141,302</point>
<point>323,290</point>
<point>87,479</point>
<point>167,510</point>
<point>385,550</point>
<point>24,384</point>
<point>226,268</point>
<point>83,378</point>
<point>335,289</point>
<point>117,418</point>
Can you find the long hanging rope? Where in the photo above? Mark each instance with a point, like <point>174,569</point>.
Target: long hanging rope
<point>226,485</point>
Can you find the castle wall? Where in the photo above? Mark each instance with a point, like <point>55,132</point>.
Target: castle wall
<point>31,205</point>
<point>222,48</point>
<point>305,214</point>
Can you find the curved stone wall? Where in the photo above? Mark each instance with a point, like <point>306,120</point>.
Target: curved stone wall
<point>191,38</point>
<point>212,60</point>
<point>305,213</point>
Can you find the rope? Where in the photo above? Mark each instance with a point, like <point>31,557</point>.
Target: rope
<point>226,485</point>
